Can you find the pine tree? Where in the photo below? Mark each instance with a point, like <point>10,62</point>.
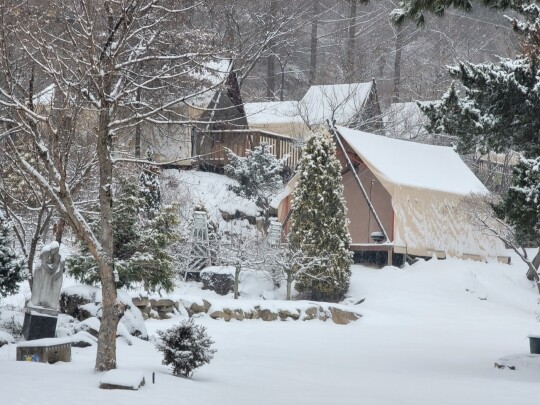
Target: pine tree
<point>319,222</point>
<point>259,177</point>
<point>521,206</point>
<point>185,347</point>
<point>499,109</point>
<point>141,244</point>
<point>149,187</point>
<point>500,112</point>
<point>11,265</point>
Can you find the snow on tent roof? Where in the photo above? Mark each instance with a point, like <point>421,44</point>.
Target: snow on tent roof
<point>339,101</point>
<point>272,112</point>
<point>414,164</point>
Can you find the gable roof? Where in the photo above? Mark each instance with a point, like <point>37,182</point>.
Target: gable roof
<point>404,121</point>
<point>340,102</point>
<point>272,112</point>
<point>414,164</point>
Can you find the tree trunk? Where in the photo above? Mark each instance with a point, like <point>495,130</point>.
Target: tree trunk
<point>397,64</point>
<point>238,268</point>
<point>314,43</point>
<point>289,286</point>
<point>271,60</point>
<point>138,127</point>
<point>351,41</point>
<point>532,272</point>
<point>106,352</point>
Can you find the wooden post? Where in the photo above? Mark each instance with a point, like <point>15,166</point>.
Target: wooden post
<point>389,261</point>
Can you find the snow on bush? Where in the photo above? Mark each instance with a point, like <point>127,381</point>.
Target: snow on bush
<point>185,347</point>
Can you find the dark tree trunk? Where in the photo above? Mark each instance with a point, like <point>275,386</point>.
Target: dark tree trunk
<point>314,43</point>
<point>351,41</point>
<point>271,60</point>
<point>397,64</point>
<point>138,127</point>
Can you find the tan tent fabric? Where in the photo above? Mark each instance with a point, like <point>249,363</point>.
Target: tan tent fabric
<point>427,185</point>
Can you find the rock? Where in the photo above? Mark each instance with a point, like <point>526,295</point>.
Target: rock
<point>225,314</point>
<point>311,313</point>
<point>71,304</point>
<point>195,308</point>
<point>342,317</point>
<point>164,302</point>
<point>267,315</point>
<point>90,325</point>
<point>221,283</point>
<point>6,338</point>
<point>121,380</point>
<point>140,301</point>
<point>284,314</point>
<point>133,320</point>
<point>83,339</point>
<point>238,314</point>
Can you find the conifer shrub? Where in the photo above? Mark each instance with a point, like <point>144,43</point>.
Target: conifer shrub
<point>185,347</point>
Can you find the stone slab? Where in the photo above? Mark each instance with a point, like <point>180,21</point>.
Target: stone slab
<point>39,326</point>
<point>121,380</point>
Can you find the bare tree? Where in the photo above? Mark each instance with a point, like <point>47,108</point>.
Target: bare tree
<point>97,56</point>
<point>478,208</point>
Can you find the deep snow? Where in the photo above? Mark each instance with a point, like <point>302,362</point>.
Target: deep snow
<point>430,334</point>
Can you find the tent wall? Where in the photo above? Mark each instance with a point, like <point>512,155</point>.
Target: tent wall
<point>362,223</point>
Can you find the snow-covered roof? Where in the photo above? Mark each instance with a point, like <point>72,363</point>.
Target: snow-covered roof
<point>272,112</point>
<point>414,164</point>
<point>340,102</point>
<point>404,120</point>
<point>45,96</point>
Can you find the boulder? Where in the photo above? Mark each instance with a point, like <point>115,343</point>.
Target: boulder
<point>140,301</point>
<point>195,308</point>
<point>284,314</point>
<point>267,315</point>
<point>221,283</point>
<point>342,317</point>
<point>90,325</point>
<point>72,303</point>
<point>225,314</point>
<point>310,313</point>
<point>121,380</point>
<point>133,320</point>
<point>5,338</point>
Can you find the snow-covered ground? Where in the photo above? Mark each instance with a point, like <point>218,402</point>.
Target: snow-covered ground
<point>430,334</point>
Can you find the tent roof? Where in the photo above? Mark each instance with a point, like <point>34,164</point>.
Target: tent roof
<point>414,164</point>
<point>337,101</point>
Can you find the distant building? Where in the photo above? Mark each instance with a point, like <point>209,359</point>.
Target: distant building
<point>354,105</point>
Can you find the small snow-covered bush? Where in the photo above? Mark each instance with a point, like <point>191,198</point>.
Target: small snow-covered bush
<point>186,347</point>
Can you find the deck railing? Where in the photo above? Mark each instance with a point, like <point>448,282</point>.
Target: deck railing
<point>211,147</point>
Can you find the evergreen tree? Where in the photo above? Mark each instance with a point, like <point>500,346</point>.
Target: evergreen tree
<point>11,265</point>
<point>319,222</point>
<point>141,244</point>
<point>259,177</point>
<point>149,187</point>
<point>499,110</point>
<point>521,206</point>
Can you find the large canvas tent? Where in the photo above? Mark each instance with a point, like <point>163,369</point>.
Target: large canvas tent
<point>416,191</point>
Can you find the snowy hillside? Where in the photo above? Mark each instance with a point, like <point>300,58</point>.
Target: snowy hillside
<point>430,334</point>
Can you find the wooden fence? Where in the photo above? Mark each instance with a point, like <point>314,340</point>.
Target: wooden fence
<point>211,147</point>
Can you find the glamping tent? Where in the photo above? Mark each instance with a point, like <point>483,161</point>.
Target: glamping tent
<point>415,191</point>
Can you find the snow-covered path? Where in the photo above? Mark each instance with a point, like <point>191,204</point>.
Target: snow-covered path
<point>424,339</point>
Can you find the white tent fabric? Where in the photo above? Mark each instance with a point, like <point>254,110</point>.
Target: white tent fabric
<point>427,185</point>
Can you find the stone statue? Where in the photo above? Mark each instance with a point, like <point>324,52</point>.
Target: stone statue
<point>47,280</point>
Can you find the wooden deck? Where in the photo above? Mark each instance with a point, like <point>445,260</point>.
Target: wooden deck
<point>211,147</point>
